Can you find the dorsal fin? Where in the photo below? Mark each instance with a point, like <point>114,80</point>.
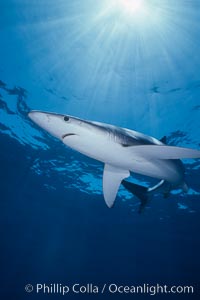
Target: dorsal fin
<point>164,140</point>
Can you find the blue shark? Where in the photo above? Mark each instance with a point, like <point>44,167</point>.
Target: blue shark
<point>122,151</point>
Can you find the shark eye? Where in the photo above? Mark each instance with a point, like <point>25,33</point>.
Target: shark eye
<point>66,118</point>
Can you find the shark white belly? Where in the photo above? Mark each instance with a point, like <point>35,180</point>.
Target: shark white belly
<point>125,158</point>
<point>120,149</point>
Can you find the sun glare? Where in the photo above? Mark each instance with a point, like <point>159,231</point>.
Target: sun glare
<point>134,11</point>
<point>143,13</point>
<point>132,6</point>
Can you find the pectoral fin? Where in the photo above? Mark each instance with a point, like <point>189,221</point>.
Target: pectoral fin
<point>112,178</point>
<point>165,152</point>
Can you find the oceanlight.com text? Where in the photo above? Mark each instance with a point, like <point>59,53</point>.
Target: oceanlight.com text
<point>111,288</point>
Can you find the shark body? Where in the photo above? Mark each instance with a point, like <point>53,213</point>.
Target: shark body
<point>121,150</point>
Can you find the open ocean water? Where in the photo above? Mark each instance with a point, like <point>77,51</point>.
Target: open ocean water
<point>130,63</point>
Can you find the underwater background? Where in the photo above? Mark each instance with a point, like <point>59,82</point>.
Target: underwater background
<point>134,65</point>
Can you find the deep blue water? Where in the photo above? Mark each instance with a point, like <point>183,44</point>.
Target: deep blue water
<point>104,61</point>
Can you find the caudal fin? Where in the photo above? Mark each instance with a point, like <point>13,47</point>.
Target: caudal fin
<point>139,191</point>
<point>184,187</point>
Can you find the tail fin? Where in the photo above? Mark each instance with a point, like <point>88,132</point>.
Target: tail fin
<point>139,191</point>
<point>185,187</point>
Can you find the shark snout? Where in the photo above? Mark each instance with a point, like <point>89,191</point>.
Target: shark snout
<point>36,116</point>
<point>53,123</point>
<point>42,119</point>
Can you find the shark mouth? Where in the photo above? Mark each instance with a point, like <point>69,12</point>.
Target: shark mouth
<point>67,134</point>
